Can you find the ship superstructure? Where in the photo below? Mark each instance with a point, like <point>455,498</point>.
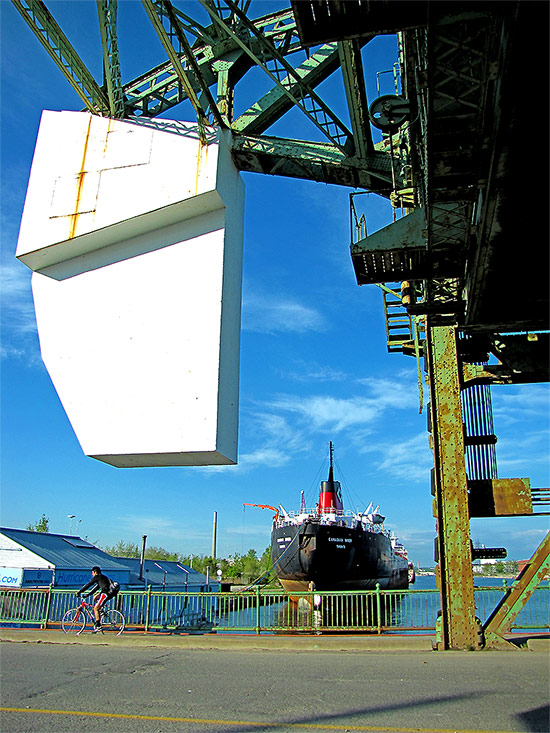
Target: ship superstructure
<point>329,548</point>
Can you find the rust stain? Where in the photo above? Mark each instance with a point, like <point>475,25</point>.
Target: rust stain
<point>110,128</point>
<point>203,150</point>
<point>73,218</point>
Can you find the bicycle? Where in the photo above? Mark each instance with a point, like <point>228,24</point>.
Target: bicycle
<point>74,620</point>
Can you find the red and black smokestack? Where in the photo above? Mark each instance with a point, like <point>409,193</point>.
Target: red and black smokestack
<point>330,496</point>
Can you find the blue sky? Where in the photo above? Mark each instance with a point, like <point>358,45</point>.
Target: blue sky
<point>314,365</point>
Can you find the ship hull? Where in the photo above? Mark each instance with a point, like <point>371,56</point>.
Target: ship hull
<point>335,558</point>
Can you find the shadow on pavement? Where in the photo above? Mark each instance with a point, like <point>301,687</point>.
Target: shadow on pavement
<point>365,713</point>
<point>536,720</point>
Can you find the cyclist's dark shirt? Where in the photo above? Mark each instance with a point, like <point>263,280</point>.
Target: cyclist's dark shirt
<point>101,581</point>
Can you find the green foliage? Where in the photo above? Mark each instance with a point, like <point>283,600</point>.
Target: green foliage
<point>129,549</point>
<point>159,553</point>
<point>239,569</point>
<point>122,549</point>
<point>501,567</point>
<point>43,525</point>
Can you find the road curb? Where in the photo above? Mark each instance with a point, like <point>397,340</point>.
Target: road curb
<point>235,642</point>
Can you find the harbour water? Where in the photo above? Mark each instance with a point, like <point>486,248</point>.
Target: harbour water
<point>410,612</point>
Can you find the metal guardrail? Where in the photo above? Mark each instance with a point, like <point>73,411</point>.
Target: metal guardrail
<point>268,611</point>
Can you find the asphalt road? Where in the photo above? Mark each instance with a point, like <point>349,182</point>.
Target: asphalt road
<point>82,687</point>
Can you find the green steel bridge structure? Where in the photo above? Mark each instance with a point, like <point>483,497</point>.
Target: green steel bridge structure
<point>464,266</point>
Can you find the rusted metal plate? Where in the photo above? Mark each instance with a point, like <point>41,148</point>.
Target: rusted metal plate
<point>500,497</point>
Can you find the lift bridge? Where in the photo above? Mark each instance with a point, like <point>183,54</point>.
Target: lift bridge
<point>463,268</point>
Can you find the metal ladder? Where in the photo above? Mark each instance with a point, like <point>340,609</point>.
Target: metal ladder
<point>404,333</point>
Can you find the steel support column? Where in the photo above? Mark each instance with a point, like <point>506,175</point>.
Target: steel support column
<point>450,488</point>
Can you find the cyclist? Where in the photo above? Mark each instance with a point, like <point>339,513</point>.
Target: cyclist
<point>105,591</point>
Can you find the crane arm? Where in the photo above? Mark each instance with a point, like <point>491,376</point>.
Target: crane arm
<point>265,506</point>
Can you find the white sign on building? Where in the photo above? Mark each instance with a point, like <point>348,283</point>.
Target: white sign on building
<point>11,577</point>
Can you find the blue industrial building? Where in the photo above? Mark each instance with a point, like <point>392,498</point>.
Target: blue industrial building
<point>35,559</point>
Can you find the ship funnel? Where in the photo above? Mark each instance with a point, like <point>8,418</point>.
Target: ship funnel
<point>330,495</point>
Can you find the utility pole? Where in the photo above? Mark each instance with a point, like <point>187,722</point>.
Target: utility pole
<point>142,559</point>
<point>214,533</point>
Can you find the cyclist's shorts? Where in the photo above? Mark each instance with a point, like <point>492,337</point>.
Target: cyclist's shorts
<point>101,599</point>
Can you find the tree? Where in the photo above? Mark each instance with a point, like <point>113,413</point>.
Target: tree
<point>159,553</point>
<point>130,549</point>
<point>43,525</point>
<point>123,549</point>
<point>238,568</point>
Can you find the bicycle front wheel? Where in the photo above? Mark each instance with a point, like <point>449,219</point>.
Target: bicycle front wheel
<point>113,620</point>
<point>73,621</point>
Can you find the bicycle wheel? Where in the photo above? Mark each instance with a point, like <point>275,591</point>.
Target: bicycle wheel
<point>73,621</point>
<point>113,620</point>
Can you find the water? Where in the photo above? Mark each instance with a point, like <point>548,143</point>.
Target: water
<point>400,611</point>
<point>427,582</point>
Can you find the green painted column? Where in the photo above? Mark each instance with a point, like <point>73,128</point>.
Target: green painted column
<point>454,573</point>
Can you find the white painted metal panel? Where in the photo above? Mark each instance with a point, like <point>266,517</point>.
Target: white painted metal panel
<point>138,310</point>
<point>14,555</point>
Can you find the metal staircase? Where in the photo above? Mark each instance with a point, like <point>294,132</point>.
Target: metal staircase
<point>404,332</point>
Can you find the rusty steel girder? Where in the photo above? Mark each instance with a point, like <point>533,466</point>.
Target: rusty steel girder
<point>454,573</point>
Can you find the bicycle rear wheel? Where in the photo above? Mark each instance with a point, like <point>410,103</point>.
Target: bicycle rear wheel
<point>113,620</point>
<point>73,621</point>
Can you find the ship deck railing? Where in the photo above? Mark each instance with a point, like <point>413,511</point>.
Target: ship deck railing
<point>338,518</point>
<point>270,611</point>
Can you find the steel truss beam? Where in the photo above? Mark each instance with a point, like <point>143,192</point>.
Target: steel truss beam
<point>313,161</point>
<point>301,94</point>
<point>273,105</point>
<point>349,53</point>
<point>50,35</point>
<point>221,54</point>
<point>161,12</point>
<point>500,621</point>
<point>214,52</point>
<point>107,11</point>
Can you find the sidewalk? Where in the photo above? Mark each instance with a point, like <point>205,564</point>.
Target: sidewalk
<point>248,642</point>
<point>387,643</point>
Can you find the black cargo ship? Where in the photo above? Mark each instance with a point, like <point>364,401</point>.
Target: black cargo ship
<point>327,549</point>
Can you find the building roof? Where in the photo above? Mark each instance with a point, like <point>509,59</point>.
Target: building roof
<point>177,574</point>
<point>64,551</point>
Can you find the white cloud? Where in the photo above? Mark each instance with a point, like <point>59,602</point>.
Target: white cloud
<point>262,457</point>
<point>154,525</point>
<point>410,460</point>
<point>17,317</point>
<point>310,372</point>
<point>329,413</point>
<point>513,403</point>
<point>400,393</point>
<point>269,314</point>
<point>417,539</point>
<point>283,427</point>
